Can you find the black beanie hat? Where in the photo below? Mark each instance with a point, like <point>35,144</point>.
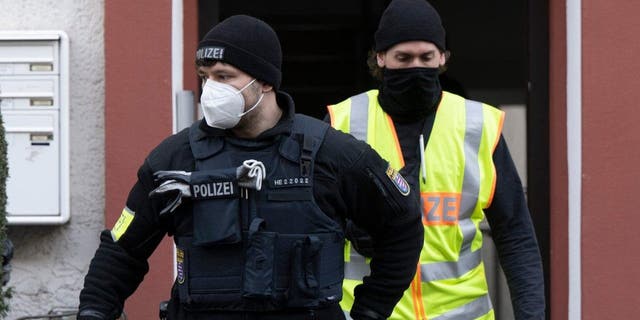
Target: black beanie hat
<point>409,20</point>
<point>247,43</point>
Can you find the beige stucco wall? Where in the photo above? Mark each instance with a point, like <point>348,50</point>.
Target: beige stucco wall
<point>50,261</point>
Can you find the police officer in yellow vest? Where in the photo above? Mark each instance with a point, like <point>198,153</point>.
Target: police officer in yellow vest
<point>452,150</point>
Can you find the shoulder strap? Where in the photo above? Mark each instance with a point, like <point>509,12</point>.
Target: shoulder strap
<point>312,132</point>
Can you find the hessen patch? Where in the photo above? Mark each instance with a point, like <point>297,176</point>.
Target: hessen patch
<point>180,265</point>
<point>398,181</point>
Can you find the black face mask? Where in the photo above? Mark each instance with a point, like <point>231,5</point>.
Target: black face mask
<point>410,93</point>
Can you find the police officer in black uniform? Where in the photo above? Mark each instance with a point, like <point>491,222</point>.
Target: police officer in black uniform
<point>256,197</point>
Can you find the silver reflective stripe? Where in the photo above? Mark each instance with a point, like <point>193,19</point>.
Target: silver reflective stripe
<point>469,198</point>
<point>449,270</point>
<point>468,230</point>
<point>357,267</point>
<point>471,180</point>
<point>471,310</point>
<point>347,316</point>
<point>359,119</point>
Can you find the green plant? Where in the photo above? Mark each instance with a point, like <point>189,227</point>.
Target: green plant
<point>5,292</point>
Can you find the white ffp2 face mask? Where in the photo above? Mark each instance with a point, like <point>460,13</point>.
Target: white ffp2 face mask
<point>223,105</point>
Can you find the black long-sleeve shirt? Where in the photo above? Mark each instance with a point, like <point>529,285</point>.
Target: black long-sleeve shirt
<point>350,182</point>
<point>508,217</point>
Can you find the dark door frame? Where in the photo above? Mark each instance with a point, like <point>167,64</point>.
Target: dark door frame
<point>538,129</point>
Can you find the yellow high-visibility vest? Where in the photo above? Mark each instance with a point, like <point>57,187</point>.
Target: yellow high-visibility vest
<point>460,180</point>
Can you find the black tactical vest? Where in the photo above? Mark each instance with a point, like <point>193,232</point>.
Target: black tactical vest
<point>259,250</point>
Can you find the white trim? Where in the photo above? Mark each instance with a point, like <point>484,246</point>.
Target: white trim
<point>65,111</point>
<point>177,43</point>
<point>574,153</point>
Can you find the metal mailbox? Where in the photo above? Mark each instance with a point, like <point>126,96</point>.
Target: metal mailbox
<point>34,101</point>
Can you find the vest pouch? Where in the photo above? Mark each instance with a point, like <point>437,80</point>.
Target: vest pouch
<point>216,207</point>
<point>259,262</point>
<point>304,288</point>
<point>209,278</point>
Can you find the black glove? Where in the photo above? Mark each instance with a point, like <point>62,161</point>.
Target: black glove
<point>178,175</point>
<point>175,183</point>
<point>360,239</point>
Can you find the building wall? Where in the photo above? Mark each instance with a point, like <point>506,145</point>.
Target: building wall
<point>138,116</point>
<point>50,261</point>
<point>558,177</point>
<point>610,153</point>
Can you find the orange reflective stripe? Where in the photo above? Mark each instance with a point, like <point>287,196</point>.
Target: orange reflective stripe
<point>416,310</point>
<point>331,116</point>
<point>493,149</point>
<point>500,124</point>
<point>395,139</point>
<point>416,289</point>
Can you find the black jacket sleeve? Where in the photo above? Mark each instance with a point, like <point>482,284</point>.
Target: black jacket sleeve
<point>119,265</point>
<point>515,239</point>
<point>113,276</point>
<point>368,196</point>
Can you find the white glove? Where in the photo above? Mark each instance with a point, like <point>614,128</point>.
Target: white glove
<point>250,174</point>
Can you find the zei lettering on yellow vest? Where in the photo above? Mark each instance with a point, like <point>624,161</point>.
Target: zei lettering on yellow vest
<point>440,208</point>
<point>213,189</point>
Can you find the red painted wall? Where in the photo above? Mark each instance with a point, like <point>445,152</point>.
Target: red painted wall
<point>611,151</point>
<point>137,117</point>
<point>558,162</point>
<point>190,38</point>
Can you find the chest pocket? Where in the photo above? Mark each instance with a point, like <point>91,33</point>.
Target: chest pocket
<point>216,207</point>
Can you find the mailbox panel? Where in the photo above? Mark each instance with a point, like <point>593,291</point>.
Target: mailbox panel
<point>34,101</point>
<point>29,92</point>
<point>29,57</point>
<point>33,154</point>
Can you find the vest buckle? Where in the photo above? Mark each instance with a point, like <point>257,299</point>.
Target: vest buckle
<point>305,166</point>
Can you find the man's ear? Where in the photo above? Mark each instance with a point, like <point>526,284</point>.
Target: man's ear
<point>380,59</point>
<point>443,59</point>
<point>266,87</point>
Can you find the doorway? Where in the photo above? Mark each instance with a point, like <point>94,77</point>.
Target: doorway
<point>499,55</point>
<point>324,44</point>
